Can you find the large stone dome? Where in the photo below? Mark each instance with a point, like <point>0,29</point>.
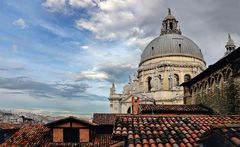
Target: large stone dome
<point>171,44</point>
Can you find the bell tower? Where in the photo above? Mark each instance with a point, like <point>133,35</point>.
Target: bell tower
<point>230,46</point>
<point>114,100</point>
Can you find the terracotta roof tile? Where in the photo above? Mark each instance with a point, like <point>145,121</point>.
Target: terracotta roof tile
<point>226,134</point>
<point>29,135</point>
<point>180,109</point>
<point>103,140</point>
<point>37,135</point>
<point>9,126</point>
<point>51,144</point>
<point>105,118</point>
<point>70,119</point>
<point>167,131</point>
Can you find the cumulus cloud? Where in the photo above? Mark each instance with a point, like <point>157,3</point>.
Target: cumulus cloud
<point>54,106</point>
<point>112,73</point>
<point>45,90</point>
<point>66,6</point>
<point>118,73</point>
<point>136,23</point>
<point>120,20</point>
<point>82,3</point>
<point>20,23</point>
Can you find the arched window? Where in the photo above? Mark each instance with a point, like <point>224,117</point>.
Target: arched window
<point>200,90</point>
<point>149,79</point>
<point>194,90</point>
<point>129,110</point>
<point>170,81</point>
<point>176,80</point>
<point>228,74</point>
<point>160,81</point>
<point>173,81</point>
<point>219,81</point>
<point>171,25</point>
<point>187,77</point>
<point>206,87</point>
<point>212,84</point>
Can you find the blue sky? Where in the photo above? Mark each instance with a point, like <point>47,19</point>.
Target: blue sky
<point>61,56</point>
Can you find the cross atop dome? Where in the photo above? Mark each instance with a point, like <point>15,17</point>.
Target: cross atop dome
<point>170,25</point>
<point>169,11</point>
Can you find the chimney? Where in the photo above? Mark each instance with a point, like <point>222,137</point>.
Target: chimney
<point>135,105</point>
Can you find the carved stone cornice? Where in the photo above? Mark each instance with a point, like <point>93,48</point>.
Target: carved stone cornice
<point>169,64</point>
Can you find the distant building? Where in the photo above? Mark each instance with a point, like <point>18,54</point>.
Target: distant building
<point>166,62</point>
<point>218,87</point>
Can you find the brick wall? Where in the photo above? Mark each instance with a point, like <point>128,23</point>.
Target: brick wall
<point>135,105</point>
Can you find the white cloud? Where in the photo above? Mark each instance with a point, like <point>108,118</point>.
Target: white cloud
<point>109,26</point>
<point>82,3</point>
<point>121,20</point>
<point>139,41</point>
<point>66,6</point>
<point>20,23</point>
<point>91,75</point>
<point>55,5</point>
<point>85,47</point>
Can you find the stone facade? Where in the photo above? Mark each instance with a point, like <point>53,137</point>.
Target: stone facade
<point>218,86</point>
<point>166,62</point>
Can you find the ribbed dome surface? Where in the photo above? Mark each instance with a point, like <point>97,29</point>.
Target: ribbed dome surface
<point>171,44</point>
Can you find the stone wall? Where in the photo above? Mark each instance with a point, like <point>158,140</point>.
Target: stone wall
<point>219,91</point>
<point>237,96</point>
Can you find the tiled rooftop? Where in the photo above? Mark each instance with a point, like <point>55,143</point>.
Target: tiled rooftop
<point>222,135</point>
<point>178,109</point>
<point>103,140</point>
<point>105,118</point>
<point>7,130</point>
<point>30,135</point>
<point>166,131</point>
<point>68,145</point>
<point>70,119</point>
<point>9,126</point>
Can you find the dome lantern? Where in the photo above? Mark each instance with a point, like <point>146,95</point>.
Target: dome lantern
<point>170,25</point>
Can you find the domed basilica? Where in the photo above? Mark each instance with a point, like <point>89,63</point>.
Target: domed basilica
<point>167,61</point>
